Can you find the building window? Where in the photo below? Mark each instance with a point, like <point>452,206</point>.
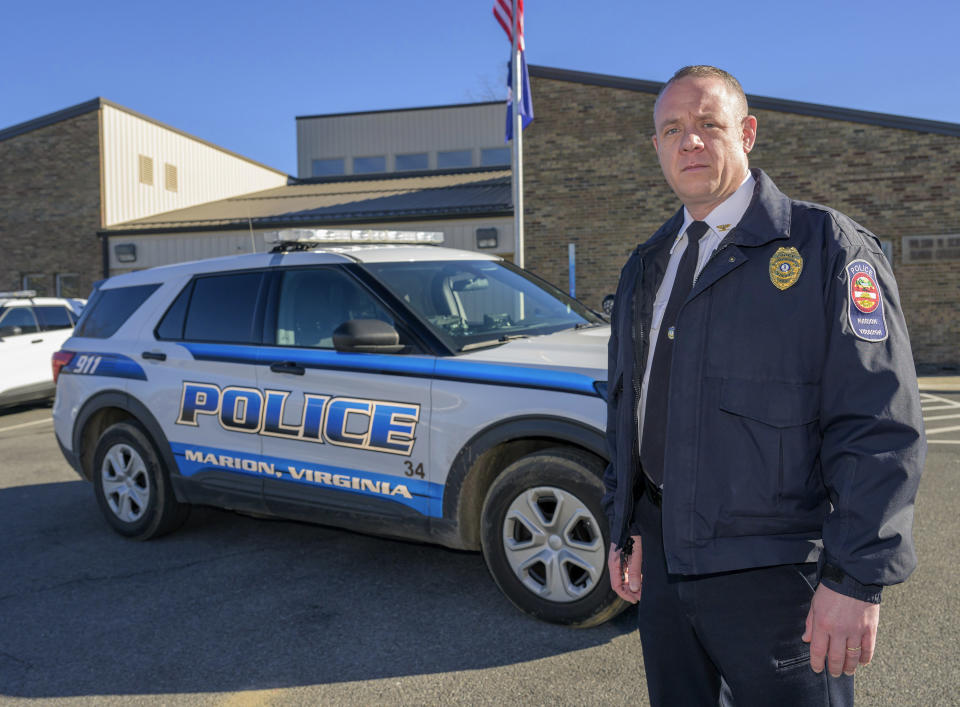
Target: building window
<point>487,238</point>
<point>68,284</point>
<point>454,158</point>
<point>369,165</point>
<point>125,252</point>
<point>333,167</point>
<point>412,161</point>
<point>495,156</point>
<point>145,170</point>
<point>36,281</point>
<point>170,176</point>
<point>930,249</point>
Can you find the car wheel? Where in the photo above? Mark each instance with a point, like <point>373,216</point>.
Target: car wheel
<point>545,538</point>
<point>133,486</point>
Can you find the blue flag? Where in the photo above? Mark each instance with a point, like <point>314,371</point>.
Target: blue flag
<point>526,104</point>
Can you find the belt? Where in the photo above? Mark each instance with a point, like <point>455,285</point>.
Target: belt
<point>645,485</point>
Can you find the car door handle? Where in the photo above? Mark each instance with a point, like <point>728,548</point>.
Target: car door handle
<point>294,369</point>
<point>154,355</point>
<point>36,341</point>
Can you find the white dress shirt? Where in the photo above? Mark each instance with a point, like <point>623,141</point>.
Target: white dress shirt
<point>720,221</point>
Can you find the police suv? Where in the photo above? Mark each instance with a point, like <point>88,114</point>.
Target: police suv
<point>397,387</point>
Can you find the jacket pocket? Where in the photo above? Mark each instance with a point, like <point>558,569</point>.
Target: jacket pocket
<point>763,448</point>
<point>773,403</point>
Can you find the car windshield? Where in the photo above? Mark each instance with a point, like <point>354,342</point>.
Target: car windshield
<point>472,304</point>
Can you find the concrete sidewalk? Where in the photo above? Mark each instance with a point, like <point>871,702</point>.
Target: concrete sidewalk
<point>939,384</point>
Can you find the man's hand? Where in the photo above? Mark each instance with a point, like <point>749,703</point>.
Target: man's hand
<point>625,577</point>
<point>841,630</point>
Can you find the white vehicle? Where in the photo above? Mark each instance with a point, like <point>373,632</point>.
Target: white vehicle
<point>404,389</point>
<point>32,329</point>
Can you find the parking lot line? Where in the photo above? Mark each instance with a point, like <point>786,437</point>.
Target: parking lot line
<point>26,424</point>
<point>943,429</point>
<point>941,417</point>
<point>943,441</point>
<point>928,398</point>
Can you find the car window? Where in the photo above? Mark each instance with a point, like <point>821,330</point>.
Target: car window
<point>313,303</point>
<point>53,317</point>
<point>471,303</point>
<point>171,326</point>
<point>17,320</point>
<point>109,309</point>
<point>223,308</point>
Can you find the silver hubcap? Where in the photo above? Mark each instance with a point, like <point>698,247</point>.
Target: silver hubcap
<point>553,544</point>
<point>126,484</point>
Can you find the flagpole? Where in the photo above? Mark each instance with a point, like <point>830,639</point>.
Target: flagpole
<point>517,140</point>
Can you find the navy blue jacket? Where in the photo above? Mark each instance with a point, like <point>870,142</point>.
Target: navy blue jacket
<point>794,426</point>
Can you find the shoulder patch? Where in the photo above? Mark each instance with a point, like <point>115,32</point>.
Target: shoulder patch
<point>865,302</point>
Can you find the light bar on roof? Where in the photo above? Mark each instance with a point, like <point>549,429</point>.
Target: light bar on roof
<point>20,293</point>
<point>342,235</point>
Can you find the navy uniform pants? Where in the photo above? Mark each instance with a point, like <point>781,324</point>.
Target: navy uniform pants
<point>731,637</point>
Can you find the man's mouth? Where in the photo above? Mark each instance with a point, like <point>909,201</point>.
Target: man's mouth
<point>693,167</point>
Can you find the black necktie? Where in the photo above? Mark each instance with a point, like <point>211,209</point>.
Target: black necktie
<point>658,386</point>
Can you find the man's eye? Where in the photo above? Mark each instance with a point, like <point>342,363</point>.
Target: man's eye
<point>670,131</point>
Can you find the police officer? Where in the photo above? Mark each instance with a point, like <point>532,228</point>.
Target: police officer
<point>764,425</point>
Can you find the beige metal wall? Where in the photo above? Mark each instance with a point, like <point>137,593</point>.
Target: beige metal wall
<point>204,172</point>
<point>391,133</point>
<point>163,249</point>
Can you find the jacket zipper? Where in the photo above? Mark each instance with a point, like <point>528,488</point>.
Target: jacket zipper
<point>638,365</point>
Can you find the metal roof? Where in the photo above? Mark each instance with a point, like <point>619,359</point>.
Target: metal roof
<point>393,198</point>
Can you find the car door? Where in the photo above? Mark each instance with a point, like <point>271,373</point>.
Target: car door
<point>203,386</point>
<point>56,325</point>
<point>348,432</point>
<point>25,368</point>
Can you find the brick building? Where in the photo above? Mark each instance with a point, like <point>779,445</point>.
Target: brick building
<point>67,175</point>
<point>591,177</point>
<point>50,184</point>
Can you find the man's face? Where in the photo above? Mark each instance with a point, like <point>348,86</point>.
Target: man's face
<point>702,140</point>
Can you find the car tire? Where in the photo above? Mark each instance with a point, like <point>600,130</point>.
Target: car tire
<point>545,538</point>
<point>132,484</point>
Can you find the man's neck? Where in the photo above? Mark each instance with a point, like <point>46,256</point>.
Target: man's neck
<point>699,212</point>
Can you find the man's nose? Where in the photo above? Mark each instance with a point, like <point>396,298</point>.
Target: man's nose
<point>691,141</point>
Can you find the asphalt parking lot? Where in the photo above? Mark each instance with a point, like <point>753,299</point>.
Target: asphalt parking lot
<point>232,610</point>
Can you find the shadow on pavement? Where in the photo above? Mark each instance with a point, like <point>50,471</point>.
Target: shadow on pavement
<point>232,603</point>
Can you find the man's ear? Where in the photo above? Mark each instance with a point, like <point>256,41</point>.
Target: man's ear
<point>656,147</point>
<point>749,125</point>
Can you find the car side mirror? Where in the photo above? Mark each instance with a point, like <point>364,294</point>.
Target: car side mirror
<point>366,336</point>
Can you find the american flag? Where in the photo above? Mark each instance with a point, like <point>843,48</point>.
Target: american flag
<point>503,11</point>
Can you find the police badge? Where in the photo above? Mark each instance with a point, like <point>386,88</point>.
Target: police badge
<point>785,267</point>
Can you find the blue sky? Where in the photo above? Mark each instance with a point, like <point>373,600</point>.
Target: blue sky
<point>238,73</point>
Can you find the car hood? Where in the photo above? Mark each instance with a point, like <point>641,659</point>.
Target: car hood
<point>576,350</point>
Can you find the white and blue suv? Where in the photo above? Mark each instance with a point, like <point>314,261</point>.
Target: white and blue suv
<point>402,389</point>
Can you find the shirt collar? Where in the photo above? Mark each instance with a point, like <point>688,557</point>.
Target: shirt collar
<point>726,215</point>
